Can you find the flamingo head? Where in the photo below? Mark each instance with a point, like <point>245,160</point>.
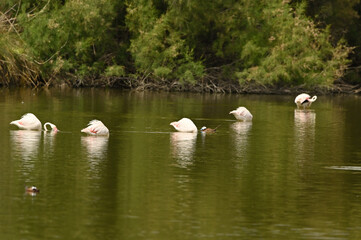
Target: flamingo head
<point>313,99</point>
<point>174,124</point>
<point>52,126</point>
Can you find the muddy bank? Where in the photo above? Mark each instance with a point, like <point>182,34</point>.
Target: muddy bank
<point>210,86</point>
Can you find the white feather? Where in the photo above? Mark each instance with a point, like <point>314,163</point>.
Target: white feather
<point>184,125</point>
<point>28,122</point>
<point>242,114</point>
<point>96,127</point>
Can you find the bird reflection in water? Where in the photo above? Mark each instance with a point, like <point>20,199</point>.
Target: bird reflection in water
<point>183,147</point>
<point>25,143</point>
<point>305,121</point>
<point>240,134</point>
<point>96,149</point>
<point>49,141</point>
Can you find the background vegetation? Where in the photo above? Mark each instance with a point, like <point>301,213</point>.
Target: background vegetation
<point>176,45</point>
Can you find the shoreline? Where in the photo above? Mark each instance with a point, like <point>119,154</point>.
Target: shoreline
<point>223,87</point>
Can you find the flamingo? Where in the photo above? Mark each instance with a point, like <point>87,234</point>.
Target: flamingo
<point>242,114</point>
<point>96,128</point>
<point>52,126</point>
<point>184,125</point>
<point>304,100</point>
<point>28,122</point>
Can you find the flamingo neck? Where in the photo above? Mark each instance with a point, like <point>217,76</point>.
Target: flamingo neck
<point>52,126</point>
<point>313,99</point>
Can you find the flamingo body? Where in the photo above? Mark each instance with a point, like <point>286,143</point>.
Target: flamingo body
<point>242,114</point>
<point>28,122</point>
<point>304,100</point>
<point>184,125</point>
<point>52,126</point>
<point>96,128</point>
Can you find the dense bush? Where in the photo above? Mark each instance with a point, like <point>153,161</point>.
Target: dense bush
<point>267,42</point>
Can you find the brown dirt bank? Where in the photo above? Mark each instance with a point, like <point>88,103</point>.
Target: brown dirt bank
<point>338,87</point>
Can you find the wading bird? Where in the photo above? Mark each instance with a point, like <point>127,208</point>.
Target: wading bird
<point>53,128</point>
<point>304,100</point>
<point>28,122</point>
<point>242,114</point>
<point>184,125</point>
<point>96,128</point>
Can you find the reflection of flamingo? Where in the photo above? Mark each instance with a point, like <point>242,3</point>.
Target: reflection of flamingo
<point>183,145</point>
<point>305,121</point>
<point>96,146</point>
<point>184,125</point>
<point>242,114</point>
<point>303,118</point>
<point>28,122</point>
<point>25,142</point>
<point>52,126</point>
<point>304,100</point>
<point>96,127</point>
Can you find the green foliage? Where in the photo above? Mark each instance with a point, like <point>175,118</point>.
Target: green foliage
<point>75,33</point>
<point>115,70</point>
<point>269,42</point>
<point>297,52</point>
<point>16,64</point>
<point>158,48</point>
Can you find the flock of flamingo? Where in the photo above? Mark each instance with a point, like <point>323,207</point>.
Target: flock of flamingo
<point>96,128</point>
<point>241,114</point>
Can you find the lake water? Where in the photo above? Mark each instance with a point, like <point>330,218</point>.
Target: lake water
<point>289,174</point>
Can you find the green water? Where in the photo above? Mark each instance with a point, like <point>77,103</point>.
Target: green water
<point>289,174</point>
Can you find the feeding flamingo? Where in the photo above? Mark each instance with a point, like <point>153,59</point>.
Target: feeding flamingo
<point>242,114</point>
<point>184,125</point>
<point>97,128</point>
<point>28,122</point>
<point>52,126</point>
<point>304,100</point>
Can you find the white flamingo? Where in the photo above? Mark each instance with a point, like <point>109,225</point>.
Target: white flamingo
<point>184,125</point>
<point>96,127</point>
<point>28,122</point>
<point>53,128</point>
<point>242,114</point>
<point>304,100</point>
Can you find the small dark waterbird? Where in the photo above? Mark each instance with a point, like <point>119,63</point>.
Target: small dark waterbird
<point>32,189</point>
<point>209,130</point>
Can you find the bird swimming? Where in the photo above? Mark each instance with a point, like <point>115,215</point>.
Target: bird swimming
<point>32,189</point>
<point>209,130</point>
<point>242,114</point>
<point>96,128</point>
<point>184,125</point>
<point>28,122</point>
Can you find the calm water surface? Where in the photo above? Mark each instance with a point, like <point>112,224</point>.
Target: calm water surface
<point>290,174</point>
